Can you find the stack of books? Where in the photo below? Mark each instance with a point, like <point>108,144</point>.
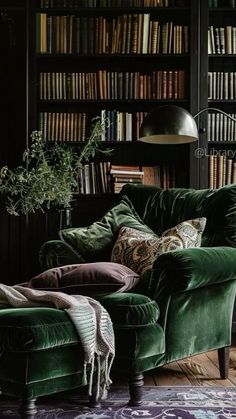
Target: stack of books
<point>125,174</point>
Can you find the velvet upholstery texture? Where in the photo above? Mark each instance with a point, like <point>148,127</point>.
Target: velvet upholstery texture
<point>42,353</point>
<point>130,309</point>
<point>86,279</point>
<point>21,331</point>
<point>187,284</point>
<point>57,253</point>
<point>194,268</point>
<point>95,242</point>
<point>140,340</point>
<point>38,373</point>
<point>161,209</point>
<point>184,306</point>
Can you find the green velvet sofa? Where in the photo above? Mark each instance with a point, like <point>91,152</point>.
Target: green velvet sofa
<point>182,308</point>
<point>194,288</point>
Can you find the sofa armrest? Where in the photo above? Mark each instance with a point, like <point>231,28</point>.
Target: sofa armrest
<point>188,269</point>
<point>55,253</point>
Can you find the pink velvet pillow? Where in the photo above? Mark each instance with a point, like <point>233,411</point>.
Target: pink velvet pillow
<point>86,279</point>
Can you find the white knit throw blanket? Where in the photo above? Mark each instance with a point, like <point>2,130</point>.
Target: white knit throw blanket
<point>91,320</point>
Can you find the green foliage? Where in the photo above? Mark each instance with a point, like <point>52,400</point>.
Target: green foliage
<point>49,174</point>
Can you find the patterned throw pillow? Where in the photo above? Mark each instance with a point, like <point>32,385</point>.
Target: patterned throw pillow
<point>190,232</point>
<point>138,250</point>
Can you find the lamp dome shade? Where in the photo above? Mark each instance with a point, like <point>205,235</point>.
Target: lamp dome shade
<point>168,125</point>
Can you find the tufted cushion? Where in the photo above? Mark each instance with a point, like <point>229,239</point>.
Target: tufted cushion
<point>130,309</point>
<point>86,279</point>
<point>94,243</point>
<point>34,329</point>
<point>139,250</point>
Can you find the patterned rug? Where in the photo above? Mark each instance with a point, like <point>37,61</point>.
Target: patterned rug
<point>158,403</point>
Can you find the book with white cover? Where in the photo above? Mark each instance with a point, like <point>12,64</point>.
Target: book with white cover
<point>125,172</point>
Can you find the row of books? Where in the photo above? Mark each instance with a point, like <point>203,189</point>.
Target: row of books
<point>221,170</point>
<point>222,3</point>
<point>221,85</point>
<point>124,34</point>
<point>111,3</point>
<point>102,177</point>
<point>221,128</point>
<point>162,176</point>
<point>120,127</point>
<point>123,126</point>
<point>160,84</point>
<point>94,178</point>
<point>62,126</point>
<point>222,40</point>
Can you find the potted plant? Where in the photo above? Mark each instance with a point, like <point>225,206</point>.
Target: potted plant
<point>49,174</point>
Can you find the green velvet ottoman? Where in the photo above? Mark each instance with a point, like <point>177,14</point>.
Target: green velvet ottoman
<point>41,353</point>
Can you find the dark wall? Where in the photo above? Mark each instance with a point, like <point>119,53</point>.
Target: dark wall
<point>21,237</point>
<point>13,50</point>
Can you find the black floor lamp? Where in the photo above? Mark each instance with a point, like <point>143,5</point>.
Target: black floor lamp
<point>171,124</point>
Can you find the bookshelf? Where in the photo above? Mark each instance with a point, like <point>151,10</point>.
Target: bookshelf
<point>220,78</point>
<point>116,60</point>
<point>26,103</point>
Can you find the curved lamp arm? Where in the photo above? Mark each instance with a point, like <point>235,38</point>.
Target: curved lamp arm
<point>213,109</point>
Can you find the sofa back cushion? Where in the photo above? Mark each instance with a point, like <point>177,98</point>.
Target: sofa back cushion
<point>162,209</point>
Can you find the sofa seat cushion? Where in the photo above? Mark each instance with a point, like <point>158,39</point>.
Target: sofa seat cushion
<point>129,309</point>
<point>34,329</point>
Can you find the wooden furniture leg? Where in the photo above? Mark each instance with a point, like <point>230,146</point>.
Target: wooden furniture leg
<point>27,408</point>
<point>136,389</point>
<point>223,357</point>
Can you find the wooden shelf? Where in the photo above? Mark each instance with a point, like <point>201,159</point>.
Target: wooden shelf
<point>222,143</point>
<point>109,101</point>
<point>104,56</point>
<point>221,56</point>
<point>222,9</point>
<point>111,10</point>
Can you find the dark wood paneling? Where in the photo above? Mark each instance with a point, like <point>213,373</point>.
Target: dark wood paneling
<point>13,129</point>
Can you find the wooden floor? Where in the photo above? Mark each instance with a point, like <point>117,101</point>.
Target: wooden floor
<point>200,370</point>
